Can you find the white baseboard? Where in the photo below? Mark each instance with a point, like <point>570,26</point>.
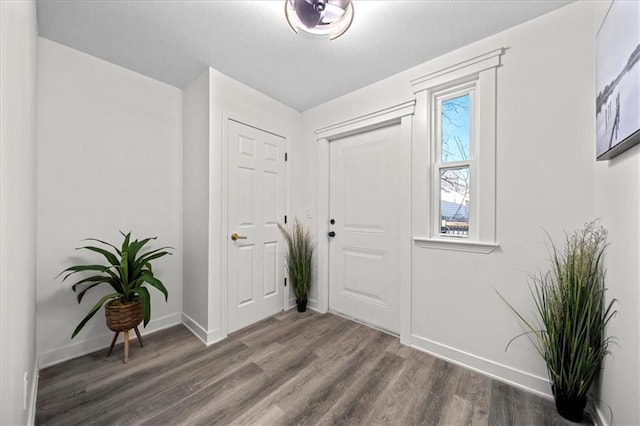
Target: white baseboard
<point>500,372</point>
<point>76,349</point>
<point>33,397</point>
<point>311,303</point>
<point>600,418</point>
<point>207,337</point>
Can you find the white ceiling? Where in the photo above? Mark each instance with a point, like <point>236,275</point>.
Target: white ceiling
<point>173,41</point>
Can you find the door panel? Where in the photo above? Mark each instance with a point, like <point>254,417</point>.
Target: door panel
<point>245,274</point>
<point>256,202</point>
<point>364,254</point>
<point>270,269</point>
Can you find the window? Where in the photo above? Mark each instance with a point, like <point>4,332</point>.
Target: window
<point>454,156</point>
<point>452,180</point>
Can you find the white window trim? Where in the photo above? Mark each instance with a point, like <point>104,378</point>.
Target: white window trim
<point>460,244</point>
<point>436,135</point>
<point>480,75</point>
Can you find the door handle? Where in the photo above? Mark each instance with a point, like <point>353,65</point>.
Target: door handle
<point>235,237</point>
<point>331,234</point>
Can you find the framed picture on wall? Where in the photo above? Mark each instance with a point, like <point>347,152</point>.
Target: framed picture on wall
<point>618,80</point>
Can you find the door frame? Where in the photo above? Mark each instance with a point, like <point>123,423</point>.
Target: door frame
<point>223,231</point>
<point>398,114</point>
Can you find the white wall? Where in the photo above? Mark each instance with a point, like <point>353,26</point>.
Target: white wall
<point>545,170</point>
<point>196,205</point>
<point>18,59</point>
<point>617,203</point>
<point>228,98</point>
<point>109,159</point>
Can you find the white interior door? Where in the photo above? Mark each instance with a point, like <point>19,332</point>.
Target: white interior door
<point>364,257</point>
<point>256,202</point>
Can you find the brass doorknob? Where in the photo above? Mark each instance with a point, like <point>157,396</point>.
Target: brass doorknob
<point>235,237</point>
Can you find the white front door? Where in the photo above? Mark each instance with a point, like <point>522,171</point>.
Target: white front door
<point>256,203</point>
<point>364,201</point>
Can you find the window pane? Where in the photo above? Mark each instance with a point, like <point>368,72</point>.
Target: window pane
<point>455,125</point>
<point>454,201</point>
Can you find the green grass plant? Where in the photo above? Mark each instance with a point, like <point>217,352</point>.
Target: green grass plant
<point>299,258</point>
<point>572,311</point>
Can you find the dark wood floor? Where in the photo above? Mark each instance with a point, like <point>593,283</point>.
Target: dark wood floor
<point>288,369</point>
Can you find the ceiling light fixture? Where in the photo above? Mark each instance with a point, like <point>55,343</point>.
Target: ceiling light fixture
<point>319,17</point>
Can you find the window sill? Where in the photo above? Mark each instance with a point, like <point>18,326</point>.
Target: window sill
<point>455,244</point>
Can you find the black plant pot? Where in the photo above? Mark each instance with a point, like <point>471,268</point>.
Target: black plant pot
<point>571,408</point>
<point>302,305</point>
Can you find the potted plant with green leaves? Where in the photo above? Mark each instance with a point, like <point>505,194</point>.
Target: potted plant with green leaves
<point>127,270</point>
<point>299,260</point>
<point>569,333</point>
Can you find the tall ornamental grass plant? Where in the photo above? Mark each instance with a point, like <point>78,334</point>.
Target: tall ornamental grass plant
<point>573,313</point>
<point>299,257</point>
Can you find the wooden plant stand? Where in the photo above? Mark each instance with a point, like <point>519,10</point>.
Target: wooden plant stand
<point>123,317</point>
<point>126,342</point>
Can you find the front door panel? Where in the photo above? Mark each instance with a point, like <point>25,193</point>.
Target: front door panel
<point>364,253</point>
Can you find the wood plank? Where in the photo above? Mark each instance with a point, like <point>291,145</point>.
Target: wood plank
<point>248,395</point>
<point>283,330</point>
<point>356,404</point>
<point>172,342</point>
<point>292,368</point>
<point>476,389</point>
<point>314,378</point>
<point>195,407</point>
<point>267,415</point>
<point>321,395</point>
<point>441,391</point>
<point>402,401</point>
<point>187,384</point>
<point>459,411</point>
